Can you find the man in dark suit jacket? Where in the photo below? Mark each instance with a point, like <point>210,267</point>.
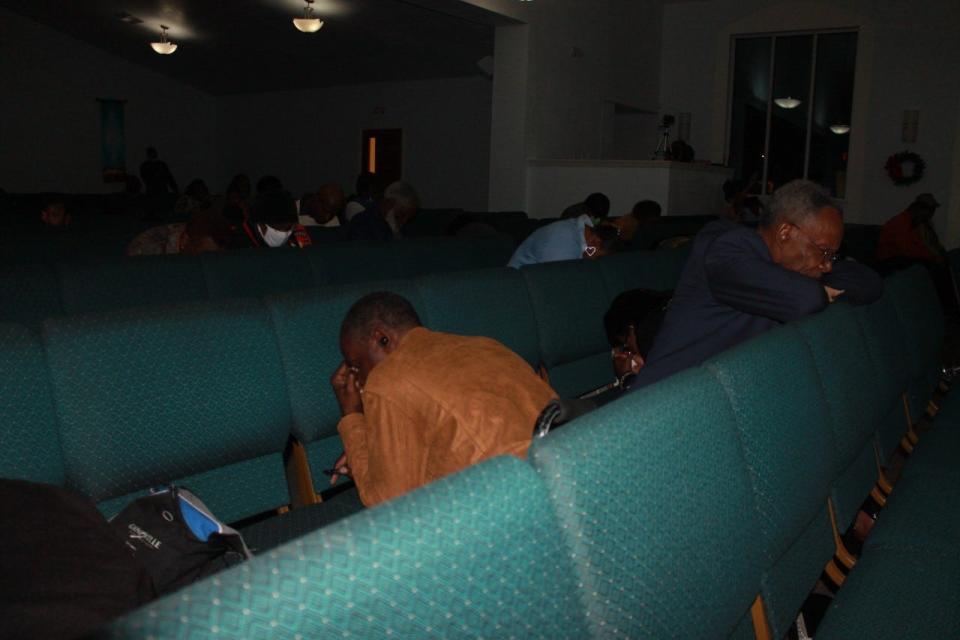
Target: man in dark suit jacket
<point>740,282</point>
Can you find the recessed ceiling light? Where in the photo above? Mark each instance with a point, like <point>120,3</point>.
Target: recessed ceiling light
<point>164,47</point>
<point>308,23</point>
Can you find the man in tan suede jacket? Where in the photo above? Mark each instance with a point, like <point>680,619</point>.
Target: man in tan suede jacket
<point>418,404</point>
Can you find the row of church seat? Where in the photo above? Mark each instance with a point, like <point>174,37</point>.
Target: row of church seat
<point>31,293</point>
<point>208,394</point>
<point>704,506</point>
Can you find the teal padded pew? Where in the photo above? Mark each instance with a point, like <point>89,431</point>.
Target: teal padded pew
<point>840,354</point>
<point>655,501</point>
<point>124,283</point>
<point>475,555</point>
<point>783,425</point>
<point>308,328</point>
<point>917,305</point>
<point>194,395</point>
<point>890,359</point>
<point>490,302</point>
<point>29,442</point>
<point>256,272</point>
<point>569,300</point>
<point>29,293</point>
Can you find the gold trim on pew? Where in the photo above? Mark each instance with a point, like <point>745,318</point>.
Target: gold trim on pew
<point>911,434</point>
<point>835,573</point>
<point>847,558</point>
<point>761,628</point>
<point>883,482</point>
<point>299,478</point>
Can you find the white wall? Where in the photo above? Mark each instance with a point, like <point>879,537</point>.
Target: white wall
<point>311,137</point>
<point>906,56</point>
<point>560,102</point>
<point>50,118</point>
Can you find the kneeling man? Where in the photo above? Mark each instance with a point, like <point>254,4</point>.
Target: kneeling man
<point>418,405</point>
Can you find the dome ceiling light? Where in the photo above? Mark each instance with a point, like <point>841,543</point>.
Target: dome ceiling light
<point>164,47</point>
<point>308,23</point>
<point>787,103</point>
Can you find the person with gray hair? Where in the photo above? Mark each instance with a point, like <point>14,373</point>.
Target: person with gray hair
<point>384,220</point>
<point>739,282</point>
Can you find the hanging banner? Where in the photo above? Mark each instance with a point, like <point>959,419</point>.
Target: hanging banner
<point>113,141</point>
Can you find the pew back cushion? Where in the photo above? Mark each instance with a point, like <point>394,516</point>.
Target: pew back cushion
<point>655,500</point>
<point>29,441</point>
<point>192,394</point>
<point>477,554</point>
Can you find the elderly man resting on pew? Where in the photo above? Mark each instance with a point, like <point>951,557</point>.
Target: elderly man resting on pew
<point>418,405</point>
<point>740,282</point>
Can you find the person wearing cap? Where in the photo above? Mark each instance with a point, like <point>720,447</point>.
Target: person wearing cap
<point>273,221</point>
<point>909,236</point>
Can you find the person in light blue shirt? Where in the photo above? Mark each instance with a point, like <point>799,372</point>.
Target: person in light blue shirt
<point>570,239</point>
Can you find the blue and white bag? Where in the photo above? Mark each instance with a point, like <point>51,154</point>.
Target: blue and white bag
<point>176,538</point>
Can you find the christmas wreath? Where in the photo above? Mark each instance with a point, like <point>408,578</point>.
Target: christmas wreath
<point>905,167</point>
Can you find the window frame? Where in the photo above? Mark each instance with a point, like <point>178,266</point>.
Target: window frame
<point>731,68</point>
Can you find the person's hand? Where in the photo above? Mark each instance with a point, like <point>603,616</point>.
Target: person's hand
<point>341,468</point>
<point>625,361</point>
<point>833,294</point>
<point>347,389</point>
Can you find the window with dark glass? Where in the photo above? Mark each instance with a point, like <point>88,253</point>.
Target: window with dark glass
<point>791,101</point>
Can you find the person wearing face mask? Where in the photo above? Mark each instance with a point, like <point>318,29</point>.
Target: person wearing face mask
<point>273,222</point>
<point>739,282</point>
<point>570,239</point>
<point>418,405</point>
<point>385,219</point>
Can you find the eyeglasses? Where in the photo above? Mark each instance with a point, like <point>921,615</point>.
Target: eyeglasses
<point>827,255</point>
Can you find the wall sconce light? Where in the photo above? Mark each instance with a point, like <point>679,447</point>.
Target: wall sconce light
<point>164,47</point>
<point>308,23</point>
<point>683,126</point>
<point>911,123</point>
<point>840,129</point>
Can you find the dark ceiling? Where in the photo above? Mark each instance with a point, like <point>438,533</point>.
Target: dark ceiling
<point>252,46</point>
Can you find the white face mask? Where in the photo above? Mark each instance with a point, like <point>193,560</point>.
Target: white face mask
<point>275,238</point>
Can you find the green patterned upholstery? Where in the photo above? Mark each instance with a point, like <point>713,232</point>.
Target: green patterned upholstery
<point>890,360</point>
<point>918,309</point>
<point>256,272</point>
<point>29,294</point>
<point>656,503</point>
<point>308,332</point>
<point>149,397</point>
<point>349,262</point>
<point>896,594</point>
<point>921,514</point>
<point>937,451</point>
<point>849,383</point>
<point>477,554</point>
<point>437,255</point>
<point>656,270</point>
<point>29,442</point>
<point>569,300</point>
<point>783,424</point>
<point>126,283</point>
<point>491,302</point>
